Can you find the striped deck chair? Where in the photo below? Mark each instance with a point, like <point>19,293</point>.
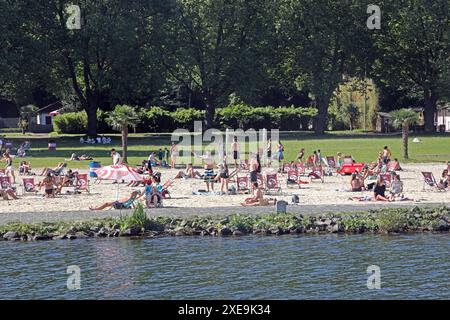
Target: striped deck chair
<point>387,179</point>
<point>29,186</point>
<point>293,178</point>
<point>244,165</point>
<point>430,181</point>
<point>5,183</point>
<point>82,183</point>
<point>260,180</point>
<point>317,173</point>
<point>242,185</point>
<point>272,183</point>
<point>300,168</point>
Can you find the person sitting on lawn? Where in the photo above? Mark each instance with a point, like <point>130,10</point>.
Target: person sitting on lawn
<point>48,185</point>
<point>83,157</point>
<point>55,171</point>
<point>188,173</point>
<point>124,203</point>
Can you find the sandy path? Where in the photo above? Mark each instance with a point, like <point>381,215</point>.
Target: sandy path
<point>315,194</point>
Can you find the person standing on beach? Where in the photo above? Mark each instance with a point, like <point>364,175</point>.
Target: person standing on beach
<point>166,156</point>
<point>9,166</point>
<point>386,155</point>
<point>280,154</point>
<point>269,152</point>
<point>235,150</point>
<point>116,160</point>
<point>255,168</point>
<point>173,155</point>
<point>160,155</point>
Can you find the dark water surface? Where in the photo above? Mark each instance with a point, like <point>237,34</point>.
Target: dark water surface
<point>288,267</point>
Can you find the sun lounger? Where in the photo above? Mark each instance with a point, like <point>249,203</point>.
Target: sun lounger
<point>317,173</point>
<point>300,168</point>
<point>331,161</point>
<point>293,178</point>
<point>5,183</point>
<point>272,183</point>
<point>242,185</point>
<point>260,180</point>
<point>29,186</point>
<point>127,204</point>
<point>430,181</point>
<point>82,183</point>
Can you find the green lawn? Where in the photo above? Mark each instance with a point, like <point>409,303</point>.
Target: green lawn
<point>363,147</point>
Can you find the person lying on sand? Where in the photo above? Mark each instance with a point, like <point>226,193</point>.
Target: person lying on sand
<point>257,199</point>
<point>119,204</point>
<point>188,173</point>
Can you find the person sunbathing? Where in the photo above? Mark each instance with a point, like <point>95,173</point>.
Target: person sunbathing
<point>6,193</point>
<point>123,203</point>
<point>68,181</point>
<point>48,185</point>
<point>55,171</point>
<point>83,157</point>
<point>188,173</point>
<point>445,179</point>
<point>257,199</point>
<point>396,189</point>
<point>356,183</point>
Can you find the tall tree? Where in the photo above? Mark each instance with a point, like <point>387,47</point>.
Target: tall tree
<point>121,119</point>
<point>413,49</point>
<point>214,46</point>
<point>320,40</point>
<point>110,59</point>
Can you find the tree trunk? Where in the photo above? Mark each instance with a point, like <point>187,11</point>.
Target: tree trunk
<point>92,119</point>
<point>430,99</point>
<point>209,116</point>
<point>405,134</point>
<point>125,143</point>
<point>321,121</point>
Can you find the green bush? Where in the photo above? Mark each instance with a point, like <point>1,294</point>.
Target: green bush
<point>184,117</point>
<point>72,122</point>
<point>157,119</point>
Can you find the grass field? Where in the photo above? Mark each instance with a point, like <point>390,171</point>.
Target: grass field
<point>363,147</point>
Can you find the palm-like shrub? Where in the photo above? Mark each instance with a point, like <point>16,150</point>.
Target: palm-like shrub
<point>403,119</point>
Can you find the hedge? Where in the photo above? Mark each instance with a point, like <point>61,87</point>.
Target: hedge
<point>157,119</point>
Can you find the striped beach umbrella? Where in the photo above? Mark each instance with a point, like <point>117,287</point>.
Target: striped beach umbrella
<point>119,173</point>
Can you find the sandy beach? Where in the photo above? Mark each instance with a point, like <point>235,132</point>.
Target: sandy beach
<point>331,192</point>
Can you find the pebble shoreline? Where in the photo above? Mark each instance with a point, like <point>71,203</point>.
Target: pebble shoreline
<point>384,221</point>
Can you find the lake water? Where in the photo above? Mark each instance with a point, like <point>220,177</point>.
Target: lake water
<point>287,267</point>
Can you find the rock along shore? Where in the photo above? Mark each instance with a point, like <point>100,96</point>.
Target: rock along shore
<point>389,220</point>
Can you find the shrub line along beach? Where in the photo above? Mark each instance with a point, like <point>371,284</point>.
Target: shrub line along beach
<point>138,224</point>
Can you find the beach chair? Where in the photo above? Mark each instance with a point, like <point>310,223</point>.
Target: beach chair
<point>392,166</point>
<point>260,180</point>
<point>244,165</point>
<point>293,178</point>
<point>286,168</point>
<point>272,183</point>
<point>300,168</point>
<point>387,179</point>
<point>2,172</point>
<point>57,180</point>
<point>82,183</point>
<point>29,186</point>
<point>242,185</point>
<point>5,183</point>
<point>317,173</point>
<point>348,160</point>
<point>127,204</point>
<point>430,181</point>
<point>331,161</point>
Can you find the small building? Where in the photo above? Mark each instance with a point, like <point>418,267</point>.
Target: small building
<point>384,122</point>
<point>44,118</point>
<point>443,118</point>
